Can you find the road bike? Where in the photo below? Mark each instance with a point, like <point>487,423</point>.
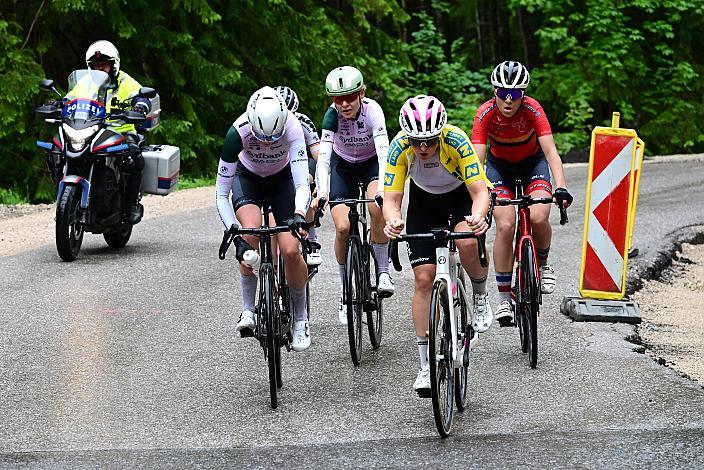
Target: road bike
<point>274,309</point>
<point>359,291</point>
<point>526,296</point>
<point>450,333</point>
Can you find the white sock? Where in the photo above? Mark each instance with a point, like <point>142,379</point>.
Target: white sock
<point>478,285</point>
<point>341,269</point>
<point>312,235</point>
<point>299,304</point>
<point>381,251</point>
<point>249,291</point>
<point>422,342</point>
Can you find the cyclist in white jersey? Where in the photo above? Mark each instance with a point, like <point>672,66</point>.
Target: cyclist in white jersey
<point>310,134</point>
<point>264,157</point>
<point>353,149</point>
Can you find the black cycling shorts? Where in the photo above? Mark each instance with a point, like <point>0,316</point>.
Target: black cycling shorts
<point>278,189</point>
<point>427,211</point>
<point>345,177</point>
<point>534,173</point>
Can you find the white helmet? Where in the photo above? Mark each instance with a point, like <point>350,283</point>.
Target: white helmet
<point>422,117</point>
<point>267,114</point>
<point>103,51</point>
<point>510,74</point>
<point>290,97</point>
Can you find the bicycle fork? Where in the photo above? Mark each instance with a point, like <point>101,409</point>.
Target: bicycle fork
<point>445,263</point>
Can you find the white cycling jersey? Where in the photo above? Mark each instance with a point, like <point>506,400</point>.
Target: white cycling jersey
<point>355,140</point>
<point>262,159</point>
<point>310,133</point>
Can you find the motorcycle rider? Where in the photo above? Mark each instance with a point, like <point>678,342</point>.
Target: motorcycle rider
<point>103,55</point>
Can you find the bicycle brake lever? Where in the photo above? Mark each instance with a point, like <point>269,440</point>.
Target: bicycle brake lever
<point>481,248</point>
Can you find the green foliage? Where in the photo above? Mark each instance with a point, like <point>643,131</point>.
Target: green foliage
<point>11,197</point>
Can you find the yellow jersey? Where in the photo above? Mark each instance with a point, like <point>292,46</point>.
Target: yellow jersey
<point>456,154</point>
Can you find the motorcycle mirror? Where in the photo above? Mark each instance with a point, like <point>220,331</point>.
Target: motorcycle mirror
<point>47,84</point>
<point>147,92</point>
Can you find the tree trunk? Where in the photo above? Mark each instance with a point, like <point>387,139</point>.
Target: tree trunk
<point>524,38</point>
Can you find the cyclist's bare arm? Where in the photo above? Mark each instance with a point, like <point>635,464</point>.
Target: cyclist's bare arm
<point>480,150</point>
<point>480,207</point>
<point>547,143</point>
<point>392,213</point>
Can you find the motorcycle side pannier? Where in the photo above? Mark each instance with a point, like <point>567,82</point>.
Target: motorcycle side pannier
<point>162,164</point>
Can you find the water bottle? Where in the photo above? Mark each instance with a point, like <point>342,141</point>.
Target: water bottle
<point>251,257</point>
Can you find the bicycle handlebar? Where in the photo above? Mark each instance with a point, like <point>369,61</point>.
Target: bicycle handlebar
<point>439,235</point>
<point>528,201</point>
<point>234,236</point>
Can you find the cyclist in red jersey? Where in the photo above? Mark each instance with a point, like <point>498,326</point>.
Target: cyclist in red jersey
<point>521,146</point>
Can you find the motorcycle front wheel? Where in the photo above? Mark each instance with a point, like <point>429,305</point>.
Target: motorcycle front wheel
<point>69,233</point>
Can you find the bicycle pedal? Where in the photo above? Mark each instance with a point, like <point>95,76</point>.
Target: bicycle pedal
<point>424,393</point>
<point>246,333</point>
<point>384,295</point>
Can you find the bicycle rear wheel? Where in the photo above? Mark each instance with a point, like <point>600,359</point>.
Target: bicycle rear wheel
<point>354,299</point>
<point>442,384</point>
<point>375,312</point>
<point>269,314</point>
<point>530,302</point>
<point>465,333</point>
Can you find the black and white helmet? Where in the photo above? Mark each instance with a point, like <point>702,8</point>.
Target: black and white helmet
<point>510,74</point>
<point>290,97</point>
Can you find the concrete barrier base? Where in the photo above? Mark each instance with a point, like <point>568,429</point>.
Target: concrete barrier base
<point>621,311</point>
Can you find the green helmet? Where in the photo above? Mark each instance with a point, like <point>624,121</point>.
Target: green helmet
<point>343,81</point>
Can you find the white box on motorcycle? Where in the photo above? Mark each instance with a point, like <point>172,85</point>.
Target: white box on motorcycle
<point>153,118</point>
<point>162,164</point>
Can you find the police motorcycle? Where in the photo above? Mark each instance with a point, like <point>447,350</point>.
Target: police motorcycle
<point>90,163</point>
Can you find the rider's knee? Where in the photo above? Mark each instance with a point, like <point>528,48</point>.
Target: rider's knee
<point>423,279</point>
<point>342,231</point>
<point>505,226</point>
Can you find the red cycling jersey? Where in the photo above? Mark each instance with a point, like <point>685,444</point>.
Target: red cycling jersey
<point>515,138</point>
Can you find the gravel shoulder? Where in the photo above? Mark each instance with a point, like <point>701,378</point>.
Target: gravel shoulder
<point>672,329</point>
<point>26,227</point>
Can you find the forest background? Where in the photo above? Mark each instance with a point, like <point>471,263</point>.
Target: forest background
<point>587,58</point>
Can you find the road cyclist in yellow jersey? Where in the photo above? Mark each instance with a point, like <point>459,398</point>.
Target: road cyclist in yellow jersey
<point>353,150</point>
<point>447,184</point>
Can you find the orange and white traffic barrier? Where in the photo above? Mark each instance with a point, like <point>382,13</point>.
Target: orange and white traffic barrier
<point>614,160</point>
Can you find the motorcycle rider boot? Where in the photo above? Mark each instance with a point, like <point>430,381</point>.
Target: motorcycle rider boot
<point>135,210</point>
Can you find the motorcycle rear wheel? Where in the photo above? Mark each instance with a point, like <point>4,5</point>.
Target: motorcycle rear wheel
<point>119,237</point>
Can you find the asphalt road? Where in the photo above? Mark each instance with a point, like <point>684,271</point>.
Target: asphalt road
<point>130,359</point>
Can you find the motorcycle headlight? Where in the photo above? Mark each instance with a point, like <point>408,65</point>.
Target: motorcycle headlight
<point>77,138</point>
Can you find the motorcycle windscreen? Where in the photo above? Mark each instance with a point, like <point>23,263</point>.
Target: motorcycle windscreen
<point>87,96</point>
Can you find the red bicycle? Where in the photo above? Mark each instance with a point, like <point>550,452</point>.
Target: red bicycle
<point>525,293</point>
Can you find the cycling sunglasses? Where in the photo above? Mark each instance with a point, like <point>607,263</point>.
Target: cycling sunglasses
<point>513,93</point>
<point>421,142</point>
<point>266,138</point>
<point>349,98</point>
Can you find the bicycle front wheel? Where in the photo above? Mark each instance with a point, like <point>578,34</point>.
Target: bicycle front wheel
<point>442,384</point>
<point>354,298</point>
<point>272,349</point>
<point>465,335</point>
<point>530,302</point>
<point>375,312</point>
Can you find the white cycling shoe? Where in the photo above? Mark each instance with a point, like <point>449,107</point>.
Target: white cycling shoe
<point>247,322</point>
<point>504,314</point>
<point>547,279</point>
<point>385,285</point>
<point>342,312</point>
<point>301,336</point>
<point>422,383</point>
<point>482,316</point>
